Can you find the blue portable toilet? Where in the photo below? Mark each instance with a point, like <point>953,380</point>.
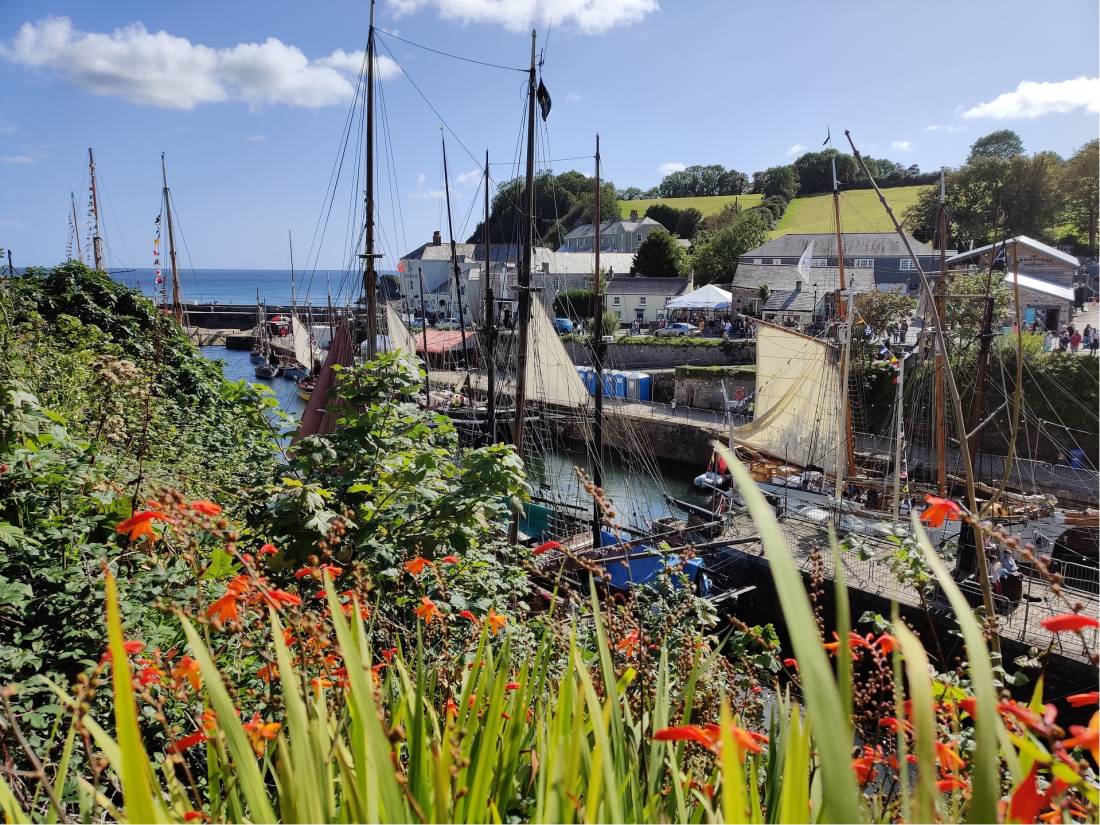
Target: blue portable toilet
<point>645,386</point>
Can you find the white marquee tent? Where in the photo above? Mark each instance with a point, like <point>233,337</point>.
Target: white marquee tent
<point>707,297</point>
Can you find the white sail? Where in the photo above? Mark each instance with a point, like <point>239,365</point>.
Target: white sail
<point>797,391</point>
<point>400,337</point>
<point>551,375</point>
<point>303,345</point>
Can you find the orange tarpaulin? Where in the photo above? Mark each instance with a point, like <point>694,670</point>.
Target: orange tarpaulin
<point>440,341</point>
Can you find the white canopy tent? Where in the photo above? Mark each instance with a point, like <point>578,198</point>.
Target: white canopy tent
<point>707,297</point>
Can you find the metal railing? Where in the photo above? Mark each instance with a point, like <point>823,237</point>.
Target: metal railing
<point>659,408</point>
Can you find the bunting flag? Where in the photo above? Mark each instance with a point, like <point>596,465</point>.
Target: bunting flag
<point>828,137</point>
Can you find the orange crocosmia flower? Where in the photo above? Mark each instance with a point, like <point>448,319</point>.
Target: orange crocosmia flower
<point>207,508</point>
<point>939,510</point>
<point>512,686</point>
<point>426,610</point>
<point>185,742</point>
<point>280,598</point>
<point>268,550</point>
<point>138,524</point>
<point>389,653</point>
<point>415,567</point>
<point>268,671</point>
<point>194,816</point>
<point>376,672</point>
<point>970,706</point>
<point>892,724</point>
<point>629,642</point>
<point>451,708</point>
<point>864,766</point>
<point>886,642</point>
<point>1087,738</point>
<point>466,614</point>
<point>496,621</point>
<point>260,732</point>
<point>150,675</point>
<point>792,663</point>
<point>320,682</point>
<point>947,757</point>
<point>226,609</point>
<point>710,737</point>
<point>1069,622</point>
<point>302,572</point>
<point>1083,700</point>
<point>187,670</point>
<point>546,547</point>
<point>1026,800</point>
<point>449,559</point>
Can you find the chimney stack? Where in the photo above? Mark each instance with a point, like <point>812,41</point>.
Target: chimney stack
<point>798,286</point>
<point>633,214</point>
<point>437,239</point>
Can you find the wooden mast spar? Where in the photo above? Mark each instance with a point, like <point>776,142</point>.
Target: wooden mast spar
<point>940,300</point>
<point>97,239</point>
<point>370,281</point>
<point>76,230</point>
<point>490,329</point>
<point>177,303</point>
<point>598,351</point>
<point>849,463</point>
<point>523,277</point>
<point>454,261</point>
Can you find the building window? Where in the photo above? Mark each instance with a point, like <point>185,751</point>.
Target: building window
<point>616,300</point>
<point>641,300</point>
<point>777,260</point>
<point>758,261</point>
<point>667,299</point>
<point>619,314</point>
<point>864,263</point>
<point>905,264</point>
<point>639,314</point>
<point>819,262</point>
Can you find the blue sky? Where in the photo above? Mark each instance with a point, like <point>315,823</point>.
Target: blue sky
<point>251,126</point>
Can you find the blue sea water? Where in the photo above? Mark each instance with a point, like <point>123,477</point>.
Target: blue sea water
<point>240,286</point>
<point>236,365</point>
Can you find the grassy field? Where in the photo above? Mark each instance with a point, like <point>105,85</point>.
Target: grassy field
<point>860,209</point>
<point>706,205</point>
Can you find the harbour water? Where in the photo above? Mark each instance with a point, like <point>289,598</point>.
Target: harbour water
<point>637,497</point>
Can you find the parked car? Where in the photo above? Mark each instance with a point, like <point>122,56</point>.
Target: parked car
<point>448,323</point>
<point>563,326</point>
<point>677,329</point>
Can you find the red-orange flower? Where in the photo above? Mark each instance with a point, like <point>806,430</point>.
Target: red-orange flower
<point>187,669</point>
<point>138,524</point>
<point>1026,800</point>
<point>512,686</point>
<point>466,614</point>
<point>207,508</point>
<point>451,708</point>
<point>415,567</point>
<point>426,610</point>
<point>226,609</point>
<point>791,663</point>
<point>1069,622</point>
<point>449,559</point>
<point>864,765</point>
<point>629,642</point>
<point>710,737</point>
<point>496,621</point>
<point>268,550</point>
<point>948,758</point>
<point>886,643</point>
<point>185,742</point>
<point>1083,700</point>
<point>952,783</point>
<point>280,598</point>
<point>939,510</point>
<point>546,547</point>
<point>260,732</point>
<point>1087,738</point>
<point>389,653</point>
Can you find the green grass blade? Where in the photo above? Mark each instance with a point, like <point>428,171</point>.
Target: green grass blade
<point>245,770</point>
<point>794,793</point>
<point>923,721</point>
<point>139,798</point>
<point>13,813</point>
<point>986,788</point>
<point>843,626</point>
<point>832,730</point>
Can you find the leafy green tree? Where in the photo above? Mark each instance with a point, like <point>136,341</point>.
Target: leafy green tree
<point>574,303</point>
<point>726,216</point>
<point>1080,192</point>
<point>777,180</point>
<point>688,223</point>
<point>715,254</point>
<point>881,309</point>
<point>610,323</point>
<point>667,216</point>
<point>732,182</point>
<point>631,193</point>
<point>1003,144</point>
<point>659,256</point>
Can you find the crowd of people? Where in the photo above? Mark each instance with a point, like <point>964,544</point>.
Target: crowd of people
<point>1069,339</point>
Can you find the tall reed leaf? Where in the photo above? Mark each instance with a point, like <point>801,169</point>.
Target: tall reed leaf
<point>831,729</point>
<point>924,722</point>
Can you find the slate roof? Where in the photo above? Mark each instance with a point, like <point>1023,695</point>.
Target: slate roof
<point>784,277</point>
<point>585,229</point>
<point>1023,240</point>
<point>1065,293</point>
<point>630,285</point>
<point>468,251</point>
<point>793,301</point>
<point>856,245</point>
<point>565,263</point>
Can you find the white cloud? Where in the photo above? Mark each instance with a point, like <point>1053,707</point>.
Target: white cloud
<point>429,195</point>
<point>160,69</point>
<point>255,138</point>
<point>573,97</point>
<point>948,127</point>
<point>797,149</point>
<point>473,176</point>
<point>1033,99</point>
<point>352,63</point>
<point>421,179</point>
<point>901,145</point>
<point>588,16</point>
<point>18,159</point>
<point>671,166</point>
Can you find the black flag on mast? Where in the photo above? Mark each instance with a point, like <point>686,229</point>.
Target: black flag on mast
<point>543,98</point>
<point>828,136</point>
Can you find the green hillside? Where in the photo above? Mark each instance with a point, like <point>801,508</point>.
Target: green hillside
<point>708,205</point>
<point>860,209</point>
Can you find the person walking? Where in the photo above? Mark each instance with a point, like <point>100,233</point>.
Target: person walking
<point>1074,341</point>
<point>903,329</point>
<point>1063,340</point>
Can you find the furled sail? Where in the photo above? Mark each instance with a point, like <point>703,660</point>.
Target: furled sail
<point>400,337</point>
<point>797,399</point>
<point>303,343</point>
<point>551,375</point>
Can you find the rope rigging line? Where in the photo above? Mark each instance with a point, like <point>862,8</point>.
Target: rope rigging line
<point>448,54</point>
